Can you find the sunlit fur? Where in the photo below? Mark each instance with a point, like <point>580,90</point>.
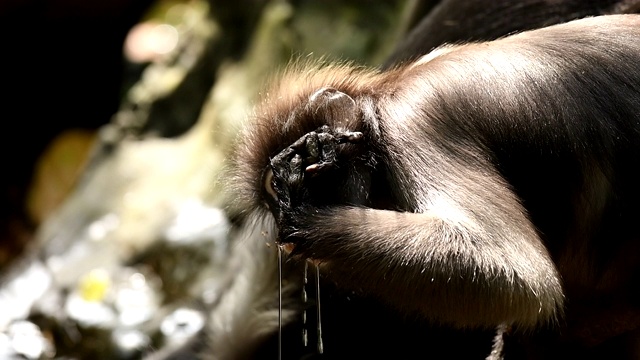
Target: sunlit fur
<point>510,168</point>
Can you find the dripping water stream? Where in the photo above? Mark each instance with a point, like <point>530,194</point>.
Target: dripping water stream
<point>320,345</point>
<point>305,338</point>
<point>279,303</point>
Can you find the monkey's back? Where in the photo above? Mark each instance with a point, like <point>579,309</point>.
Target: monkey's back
<point>556,112</point>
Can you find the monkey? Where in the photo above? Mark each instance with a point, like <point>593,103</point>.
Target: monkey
<point>456,21</point>
<point>483,184</point>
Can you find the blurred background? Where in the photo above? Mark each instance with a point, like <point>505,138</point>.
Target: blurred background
<point>118,115</point>
<point>63,73</point>
<point>68,66</point>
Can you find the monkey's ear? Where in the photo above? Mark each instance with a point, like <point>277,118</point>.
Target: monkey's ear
<point>337,108</point>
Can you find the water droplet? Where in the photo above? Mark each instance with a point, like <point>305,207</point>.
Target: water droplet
<point>279,303</point>
<point>305,339</point>
<point>320,345</point>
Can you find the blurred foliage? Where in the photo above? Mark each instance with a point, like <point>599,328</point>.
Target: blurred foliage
<point>57,171</point>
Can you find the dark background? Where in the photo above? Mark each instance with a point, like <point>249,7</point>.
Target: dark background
<point>62,67</point>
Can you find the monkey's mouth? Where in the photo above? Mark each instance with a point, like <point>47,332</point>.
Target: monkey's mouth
<point>287,248</point>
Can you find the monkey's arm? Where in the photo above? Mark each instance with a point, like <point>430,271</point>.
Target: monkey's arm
<point>472,262</point>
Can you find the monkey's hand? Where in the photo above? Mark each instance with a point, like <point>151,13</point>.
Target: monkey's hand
<point>292,170</point>
<point>321,145</point>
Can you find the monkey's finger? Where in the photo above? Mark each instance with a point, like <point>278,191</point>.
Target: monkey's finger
<point>301,144</point>
<point>317,168</point>
<point>352,137</point>
<point>329,144</point>
<point>312,147</point>
<point>324,129</point>
<point>295,171</point>
<point>313,168</point>
<point>282,157</point>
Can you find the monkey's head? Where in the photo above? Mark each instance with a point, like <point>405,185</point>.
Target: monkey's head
<point>327,166</point>
<point>322,168</point>
<point>306,136</point>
